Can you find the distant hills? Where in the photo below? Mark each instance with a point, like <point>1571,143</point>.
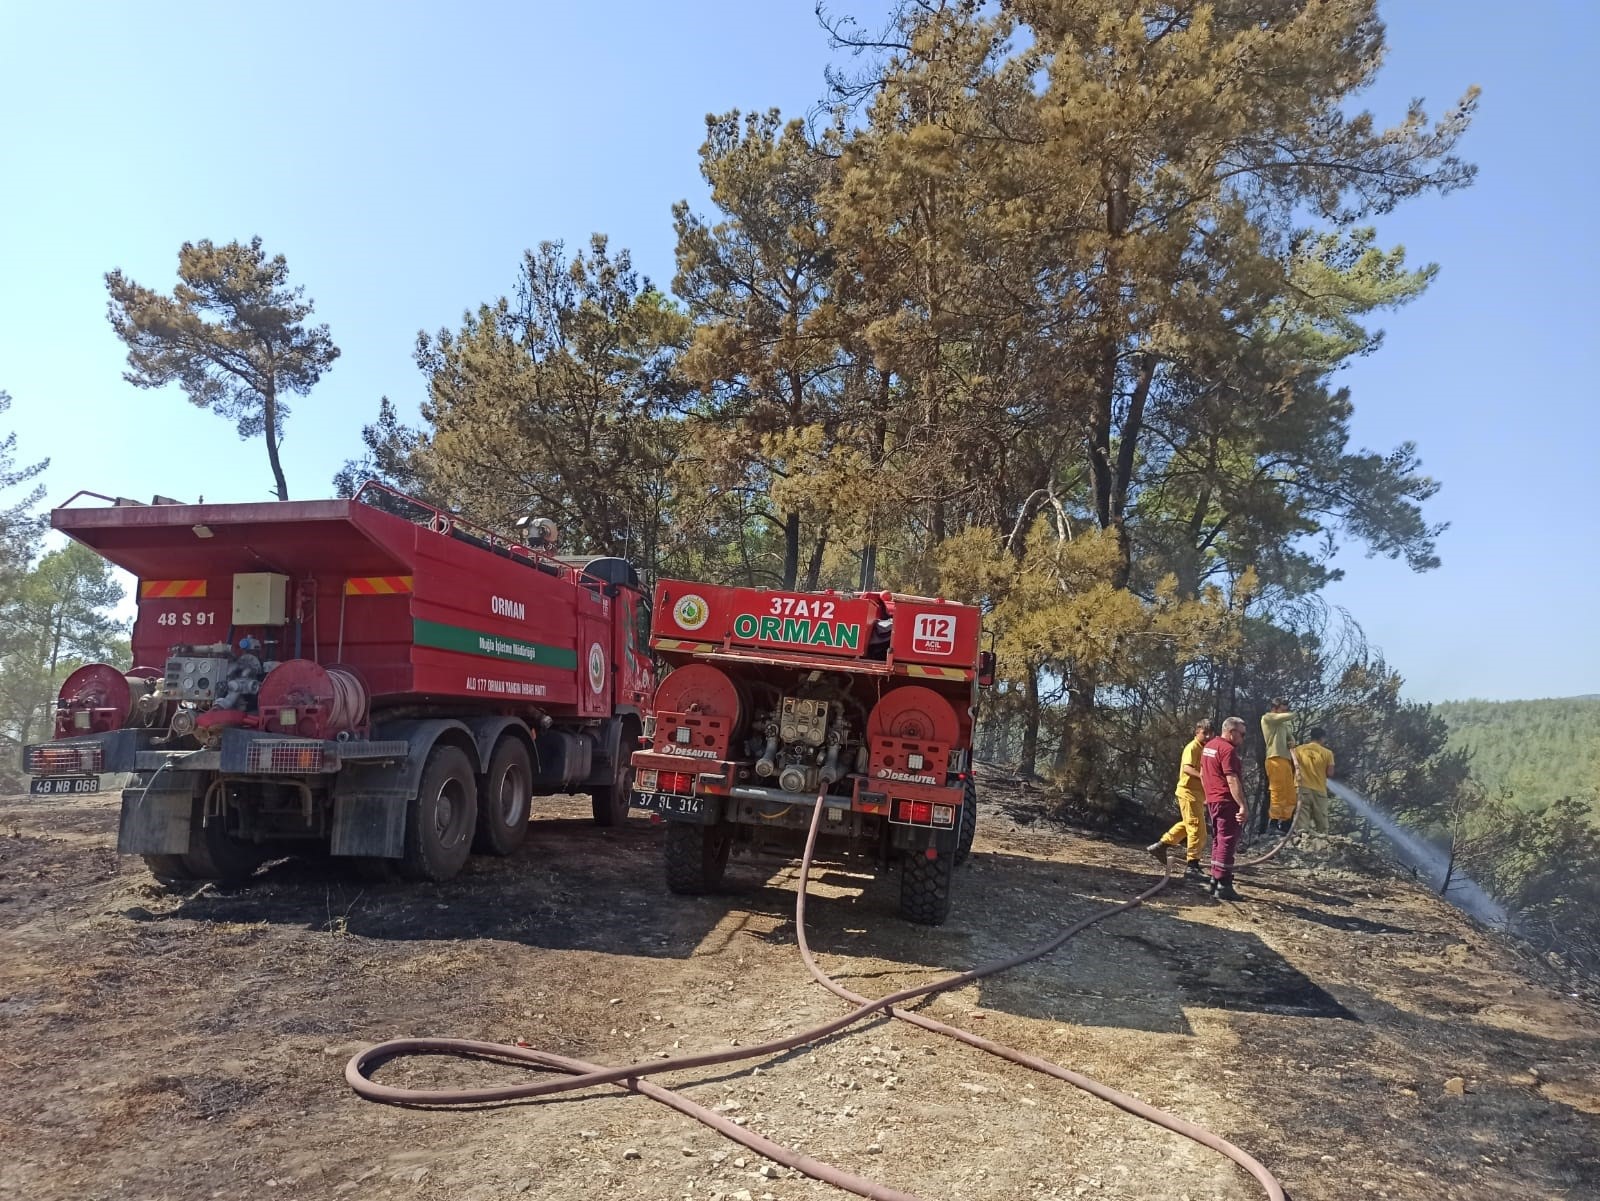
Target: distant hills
<point>1541,750</point>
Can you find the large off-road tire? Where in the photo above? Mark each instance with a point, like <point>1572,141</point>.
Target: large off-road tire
<point>696,857</point>
<point>505,799</point>
<point>441,818</point>
<point>969,822</point>
<point>214,854</point>
<point>611,800</point>
<point>925,887</point>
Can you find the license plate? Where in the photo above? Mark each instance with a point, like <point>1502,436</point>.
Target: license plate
<point>64,785</point>
<point>670,805</point>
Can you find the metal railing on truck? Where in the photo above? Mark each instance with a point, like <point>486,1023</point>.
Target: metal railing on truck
<point>378,495</point>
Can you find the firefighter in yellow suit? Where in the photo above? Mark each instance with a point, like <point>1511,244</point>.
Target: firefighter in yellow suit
<point>1280,767</point>
<point>1191,829</point>
<point>1315,764</point>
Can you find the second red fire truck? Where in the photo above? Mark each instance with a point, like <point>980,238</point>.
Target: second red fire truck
<point>775,698</point>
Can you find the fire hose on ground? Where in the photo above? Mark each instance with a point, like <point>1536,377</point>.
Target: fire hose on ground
<point>576,1074</point>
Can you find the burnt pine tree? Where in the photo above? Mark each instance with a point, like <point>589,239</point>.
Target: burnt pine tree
<point>232,335</point>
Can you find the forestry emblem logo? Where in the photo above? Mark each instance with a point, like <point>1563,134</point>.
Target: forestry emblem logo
<point>691,612</point>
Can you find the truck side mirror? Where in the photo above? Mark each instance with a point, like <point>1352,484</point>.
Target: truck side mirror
<point>985,668</point>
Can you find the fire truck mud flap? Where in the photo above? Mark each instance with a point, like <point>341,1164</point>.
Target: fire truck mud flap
<point>370,799</point>
<point>921,838</point>
<point>157,808</point>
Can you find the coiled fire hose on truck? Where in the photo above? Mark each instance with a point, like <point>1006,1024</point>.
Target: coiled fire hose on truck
<point>576,1074</point>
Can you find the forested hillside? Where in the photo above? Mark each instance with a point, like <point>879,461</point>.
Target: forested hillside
<point>1540,750</point>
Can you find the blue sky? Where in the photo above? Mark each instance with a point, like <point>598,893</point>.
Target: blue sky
<point>402,156</point>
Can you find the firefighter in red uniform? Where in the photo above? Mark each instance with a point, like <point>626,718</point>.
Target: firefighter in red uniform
<point>1220,770</point>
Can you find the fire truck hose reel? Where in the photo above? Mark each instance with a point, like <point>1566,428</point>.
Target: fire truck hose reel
<point>305,698</point>
<point>701,688</point>
<point>576,1074</point>
<point>914,712</point>
<point>105,696</point>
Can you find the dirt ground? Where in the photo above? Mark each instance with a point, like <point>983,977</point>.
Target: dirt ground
<point>172,1046</point>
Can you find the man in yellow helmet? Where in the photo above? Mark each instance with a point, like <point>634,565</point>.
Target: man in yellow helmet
<point>1191,793</point>
<point>1275,727</point>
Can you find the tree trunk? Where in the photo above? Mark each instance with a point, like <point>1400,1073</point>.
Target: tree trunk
<point>56,634</point>
<point>814,568</point>
<point>1127,454</point>
<point>57,626</point>
<point>869,567</point>
<point>1110,480</point>
<point>791,550</point>
<point>270,412</point>
<point>1028,761</point>
<point>1449,870</point>
<point>1084,763</point>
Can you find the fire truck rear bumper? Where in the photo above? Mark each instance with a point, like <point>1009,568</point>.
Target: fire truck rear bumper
<point>241,752</point>
<point>680,788</point>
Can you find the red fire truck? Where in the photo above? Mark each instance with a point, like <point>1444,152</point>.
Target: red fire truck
<point>775,698</point>
<point>374,677</point>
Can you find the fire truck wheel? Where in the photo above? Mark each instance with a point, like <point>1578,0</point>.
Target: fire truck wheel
<point>696,857</point>
<point>969,822</point>
<point>611,800</point>
<point>441,817</point>
<point>504,800</point>
<point>925,888</point>
<point>214,854</point>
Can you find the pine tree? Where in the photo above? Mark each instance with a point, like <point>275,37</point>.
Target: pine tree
<point>232,335</point>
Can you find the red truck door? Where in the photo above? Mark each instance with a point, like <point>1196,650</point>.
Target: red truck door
<point>595,659</point>
<point>635,675</point>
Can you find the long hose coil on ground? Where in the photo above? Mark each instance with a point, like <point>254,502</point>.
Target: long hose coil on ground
<point>577,1074</point>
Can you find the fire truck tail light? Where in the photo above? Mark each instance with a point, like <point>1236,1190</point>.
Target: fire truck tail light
<point>920,812</point>
<point>680,782</point>
<point>648,781</point>
<point>64,760</point>
<point>943,815</point>
<point>289,755</point>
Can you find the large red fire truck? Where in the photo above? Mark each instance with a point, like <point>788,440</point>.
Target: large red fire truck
<point>777,698</point>
<point>375,677</point>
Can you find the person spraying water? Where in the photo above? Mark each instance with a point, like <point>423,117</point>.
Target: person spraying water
<point>1276,725</point>
<point>1313,766</point>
